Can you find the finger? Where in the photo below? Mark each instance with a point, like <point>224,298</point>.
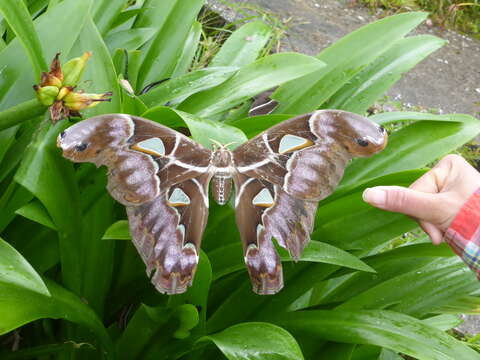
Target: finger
<point>433,232</point>
<point>426,183</point>
<point>423,206</point>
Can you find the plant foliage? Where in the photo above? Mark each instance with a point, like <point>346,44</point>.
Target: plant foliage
<point>71,288</point>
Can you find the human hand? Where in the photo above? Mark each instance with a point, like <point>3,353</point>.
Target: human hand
<point>434,199</point>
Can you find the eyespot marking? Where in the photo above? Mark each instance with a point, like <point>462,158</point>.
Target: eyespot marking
<point>362,142</point>
<point>153,146</point>
<point>263,198</point>
<point>292,142</point>
<point>178,198</point>
<point>81,147</point>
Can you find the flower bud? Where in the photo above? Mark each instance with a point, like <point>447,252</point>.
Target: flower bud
<point>73,69</point>
<point>46,95</point>
<point>79,101</point>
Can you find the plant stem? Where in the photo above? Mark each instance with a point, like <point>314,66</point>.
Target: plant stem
<point>21,112</point>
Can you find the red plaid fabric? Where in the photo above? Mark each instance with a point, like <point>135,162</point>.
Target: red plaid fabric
<point>463,235</point>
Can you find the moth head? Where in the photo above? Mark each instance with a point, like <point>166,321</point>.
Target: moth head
<point>85,140</point>
<point>359,135</point>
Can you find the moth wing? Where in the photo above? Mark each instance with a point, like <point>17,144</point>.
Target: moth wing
<point>143,157</point>
<point>295,156</point>
<point>167,233</point>
<point>263,211</point>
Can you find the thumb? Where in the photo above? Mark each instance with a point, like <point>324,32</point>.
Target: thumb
<point>423,206</point>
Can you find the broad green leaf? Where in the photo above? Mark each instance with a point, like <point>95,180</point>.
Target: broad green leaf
<point>189,50</point>
<point>105,12</point>
<point>13,154</point>
<point>99,72</point>
<point>228,259</point>
<point>15,271</point>
<point>398,116</point>
<point>387,329</point>
<point>98,256</point>
<point>155,326</point>
<point>358,94</point>
<point>254,125</point>
<point>186,85</point>
<point>19,306</point>
<point>389,355</point>
<point>202,130</point>
<point>18,17</point>
<point>163,50</point>
<point>130,39</point>
<point>250,80</point>
<point>256,341</point>
<point>414,146</point>
<point>417,292</point>
<point>244,45</point>
<point>205,131</point>
<point>45,174</point>
<point>154,13</point>
<point>35,211</point>
<point>13,198</point>
<point>118,231</point>
<point>376,226</point>
<point>443,322</point>
<point>344,59</point>
<point>68,17</point>
<point>388,264</point>
<point>125,16</point>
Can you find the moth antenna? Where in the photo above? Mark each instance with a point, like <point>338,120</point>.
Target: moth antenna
<point>216,143</point>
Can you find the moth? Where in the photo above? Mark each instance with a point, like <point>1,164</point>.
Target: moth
<point>163,177</point>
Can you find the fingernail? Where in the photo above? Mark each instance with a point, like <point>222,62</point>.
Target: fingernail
<point>374,196</point>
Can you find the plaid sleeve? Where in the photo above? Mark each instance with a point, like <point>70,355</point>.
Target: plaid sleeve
<point>463,235</point>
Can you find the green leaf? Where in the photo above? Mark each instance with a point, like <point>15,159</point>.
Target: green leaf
<point>118,231</point>
<point>105,12</point>
<point>130,39</point>
<point>228,259</point>
<point>443,322</point>
<point>100,70</point>
<point>414,146</point>
<point>206,131</point>
<point>398,332</point>
<point>148,327</point>
<point>16,271</point>
<point>419,291</point>
<point>344,59</point>
<point>189,50</point>
<point>398,116</point>
<point>256,340</point>
<point>250,80</point>
<point>69,17</point>
<point>45,174</point>
<point>202,130</point>
<point>187,85</point>
<point>163,51</point>
<point>35,211</point>
<point>19,306</point>
<point>254,125</point>
<point>17,16</point>
<point>360,93</point>
<point>244,45</point>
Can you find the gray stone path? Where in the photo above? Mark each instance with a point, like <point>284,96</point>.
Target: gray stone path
<point>448,80</point>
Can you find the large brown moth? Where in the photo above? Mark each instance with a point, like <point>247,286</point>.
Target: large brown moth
<point>162,177</point>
